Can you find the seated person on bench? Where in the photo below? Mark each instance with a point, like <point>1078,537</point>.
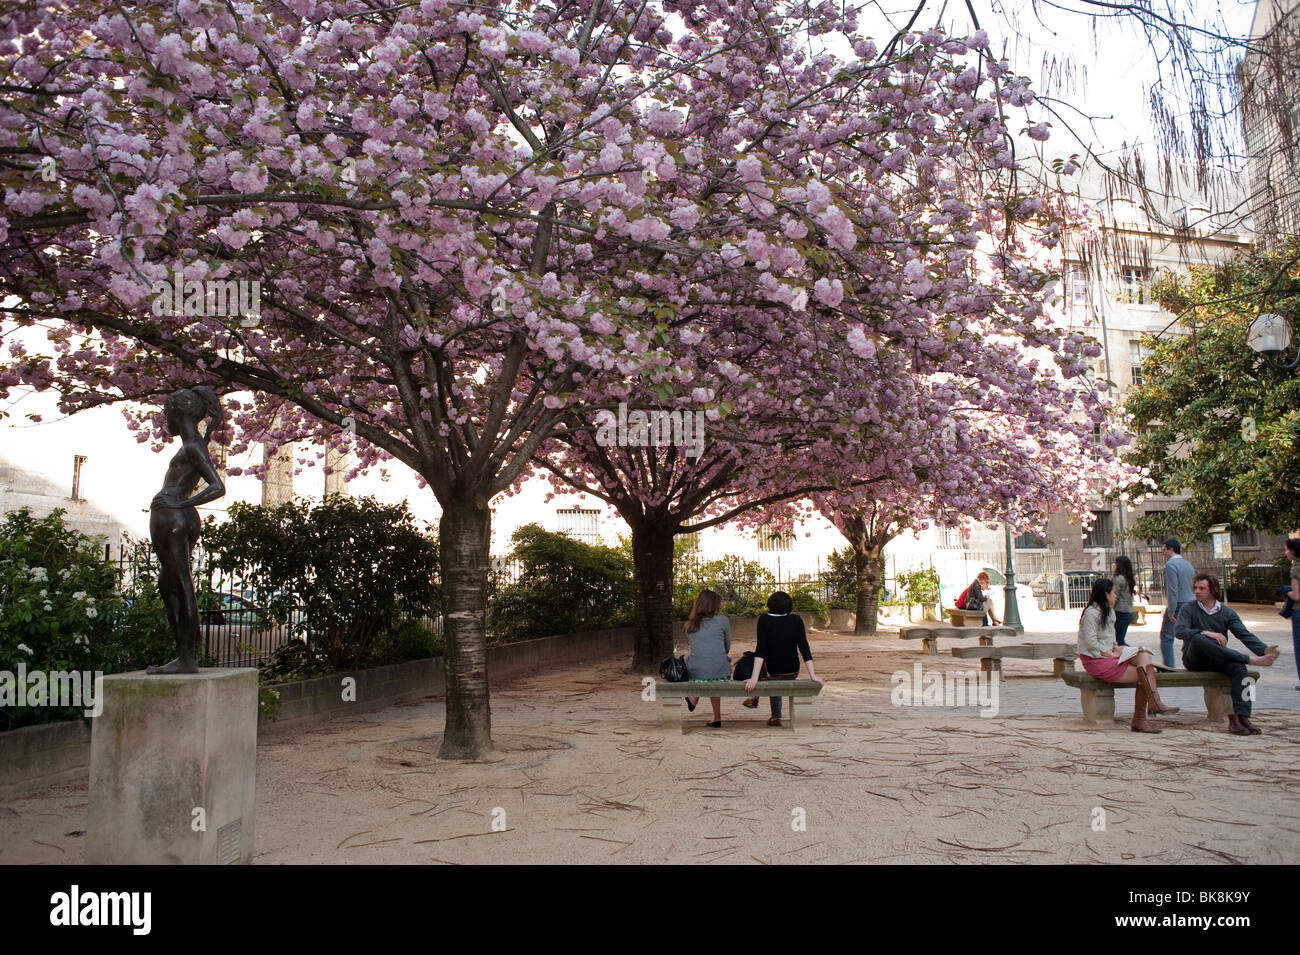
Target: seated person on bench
<point>1105,660</point>
<point>1203,625</point>
<point>975,599</point>
<point>781,641</point>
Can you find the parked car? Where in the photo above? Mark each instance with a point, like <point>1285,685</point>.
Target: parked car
<point>231,610</point>
<point>238,630</point>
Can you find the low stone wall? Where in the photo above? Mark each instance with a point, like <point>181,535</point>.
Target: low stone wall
<point>745,629</point>
<point>38,756</point>
<point>416,679</point>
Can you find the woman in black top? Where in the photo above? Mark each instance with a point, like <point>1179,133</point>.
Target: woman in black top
<point>781,641</point>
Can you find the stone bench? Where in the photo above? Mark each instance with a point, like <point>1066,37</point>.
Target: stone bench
<point>1140,613</point>
<point>930,635</point>
<point>1062,655</point>
<point>1097,697</point>
<point>673,695</point>
<point>964,618</point>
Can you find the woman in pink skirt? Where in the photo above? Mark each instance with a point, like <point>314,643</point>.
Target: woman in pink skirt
<point>1106,661</point>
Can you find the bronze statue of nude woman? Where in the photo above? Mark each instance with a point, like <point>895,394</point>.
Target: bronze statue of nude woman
<point>173,521</point>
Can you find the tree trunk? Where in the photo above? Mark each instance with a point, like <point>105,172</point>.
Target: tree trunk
<point>464,533</point>
<point>869,561</point>
<point>652,556</point>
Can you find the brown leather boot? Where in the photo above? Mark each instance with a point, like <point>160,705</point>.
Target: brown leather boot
<point>1245,721</point>
<point>1140,724</point>
<point>1236,727</point>
<point>1155,706</point>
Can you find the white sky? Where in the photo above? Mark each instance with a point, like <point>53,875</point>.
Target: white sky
<point>1115,65</point>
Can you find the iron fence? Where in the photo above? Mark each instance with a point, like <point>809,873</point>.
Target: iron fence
<point>236,628</point>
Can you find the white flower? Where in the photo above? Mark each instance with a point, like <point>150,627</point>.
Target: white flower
<point>48,606</point>
<point>79,595</point>
<point>65,573</point>
<point>92,613</point>
<point>38,574</point>
<point>25,648</point>
<point>81,640</point>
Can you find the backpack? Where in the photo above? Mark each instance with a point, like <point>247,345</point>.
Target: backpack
<point>961,599</point>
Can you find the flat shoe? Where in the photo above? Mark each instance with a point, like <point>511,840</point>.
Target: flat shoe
<point>716,725</point>
<point>690,707</point>
<point>752,701</point>
<point>774,721</point>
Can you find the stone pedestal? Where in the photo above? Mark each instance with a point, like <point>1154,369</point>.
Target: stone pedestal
<point>172,769</point>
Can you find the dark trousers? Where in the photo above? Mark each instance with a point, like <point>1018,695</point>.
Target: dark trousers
<point>1122,621</point>
<point>1202,653</point>
<point>774,702</point>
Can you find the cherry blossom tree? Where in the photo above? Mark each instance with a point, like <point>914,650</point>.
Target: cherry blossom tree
<point>466,221</point>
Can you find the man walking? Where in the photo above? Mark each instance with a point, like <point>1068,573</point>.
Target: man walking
<point>1178,591</point>
<point>1203,626</point>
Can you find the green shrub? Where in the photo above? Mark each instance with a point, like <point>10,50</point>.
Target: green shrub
<point>920,586</point>
<point>564,586</point>
<point>743,585</point>
<point>60,609</point>
<point>806,600</point>
<point>842,579</point>
<point>413,640</point>
<point>344,572</point>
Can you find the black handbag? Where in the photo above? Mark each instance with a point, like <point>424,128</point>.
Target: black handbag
<point>745,667</point>
<point>674,670</point>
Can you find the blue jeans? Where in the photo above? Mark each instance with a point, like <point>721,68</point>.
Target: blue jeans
<point>774,702</point>
<point>1167,628</point>
<point>1122,621</point>
<point>1295,639</point>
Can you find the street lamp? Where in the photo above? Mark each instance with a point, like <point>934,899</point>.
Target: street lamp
<point>1270,335</point>
<point>1010,607</point>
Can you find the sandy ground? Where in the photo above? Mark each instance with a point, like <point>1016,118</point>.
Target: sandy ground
<point>583,773</point>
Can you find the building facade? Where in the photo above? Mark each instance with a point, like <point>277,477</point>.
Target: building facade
<point>1268,85</point>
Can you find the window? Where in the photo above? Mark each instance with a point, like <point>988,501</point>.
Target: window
<point>1136,355</point>
<point>1076,288</point>
<point>1245,537</point>
<point>952,537</point>
<point>77,461</point>
<point>1133,285</point>
<point>579,523</point>
<point>1102,533</point>
<point>1030,541</point>
<point>769,539</point>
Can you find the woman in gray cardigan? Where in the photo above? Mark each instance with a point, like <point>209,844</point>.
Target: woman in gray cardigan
<point>710,636</point>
